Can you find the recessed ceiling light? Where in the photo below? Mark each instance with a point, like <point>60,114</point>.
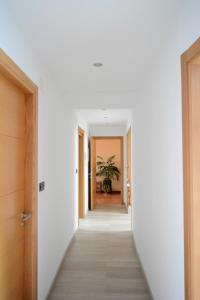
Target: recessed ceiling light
<point>98,64</point>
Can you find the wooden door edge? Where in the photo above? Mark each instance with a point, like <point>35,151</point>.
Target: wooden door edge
<point>129,133</point>
<point>122,168</point>
<point>81,133</point>
<point>186,58</point>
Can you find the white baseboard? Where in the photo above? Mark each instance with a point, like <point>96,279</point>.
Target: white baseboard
<point>144,274</point>
<point>59,267</point>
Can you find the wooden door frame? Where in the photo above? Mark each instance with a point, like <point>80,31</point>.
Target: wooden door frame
<point>186,59</point>
<point>129,133</point>
<point>94,138</point>
<point>92,162</point>
<point>81,171</point>
<point>12,72</point>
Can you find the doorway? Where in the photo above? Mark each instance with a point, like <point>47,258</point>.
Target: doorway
<point>191,162</point>
<point>129,164</point>
<point>101,150</point>
<point>18,183</point>
<point>81,173</point>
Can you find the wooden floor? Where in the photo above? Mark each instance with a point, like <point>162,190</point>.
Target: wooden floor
<point>101,262</point>
<point>102,198</point>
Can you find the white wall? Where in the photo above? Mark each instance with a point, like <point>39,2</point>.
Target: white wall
<point>107,130</point>
<point>57,205</point>
<point>157,166</point>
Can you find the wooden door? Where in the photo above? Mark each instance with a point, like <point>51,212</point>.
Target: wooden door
<point>17,187</point>
<point>93,171</point>
<point>129,194</point>
<point>191,147</point>
<point>12,189</point>
<point>81,192</point>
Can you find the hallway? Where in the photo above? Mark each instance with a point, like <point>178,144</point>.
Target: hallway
<point>101,262</point>
<point>99,106</point>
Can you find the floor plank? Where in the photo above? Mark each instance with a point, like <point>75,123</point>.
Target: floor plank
<point>102,263</point>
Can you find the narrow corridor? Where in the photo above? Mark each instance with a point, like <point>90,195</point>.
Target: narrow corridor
<point>101,262</point>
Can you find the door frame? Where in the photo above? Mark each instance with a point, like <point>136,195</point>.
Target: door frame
<point>129,166</point>
<point>92,171</point>
<point>11,71</point>
<point>81,174</point>
<point>93,160</point>
<point>186,59</point>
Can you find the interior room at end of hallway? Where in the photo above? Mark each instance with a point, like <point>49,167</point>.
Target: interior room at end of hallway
<point>108,156</point>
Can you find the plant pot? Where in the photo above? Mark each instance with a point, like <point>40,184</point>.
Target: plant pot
<point>107,185</point>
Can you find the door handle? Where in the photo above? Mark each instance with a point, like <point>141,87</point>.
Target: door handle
<point>25,217</point>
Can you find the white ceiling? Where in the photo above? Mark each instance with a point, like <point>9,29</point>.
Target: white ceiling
<point>70,35</point>
<point>105,116</point>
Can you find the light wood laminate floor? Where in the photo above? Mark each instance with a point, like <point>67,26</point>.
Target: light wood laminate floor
<point>103,198</point>
<point>101,262</point>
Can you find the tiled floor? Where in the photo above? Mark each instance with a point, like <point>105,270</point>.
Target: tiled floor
<point>102,198</point>
<point>101,263</point>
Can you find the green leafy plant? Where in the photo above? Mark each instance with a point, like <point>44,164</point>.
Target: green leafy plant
<point>109,171</point>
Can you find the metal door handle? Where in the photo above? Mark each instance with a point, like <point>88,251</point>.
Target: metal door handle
<point>25,216</point>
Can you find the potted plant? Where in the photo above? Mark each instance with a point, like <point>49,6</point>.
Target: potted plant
<point>109,171</point>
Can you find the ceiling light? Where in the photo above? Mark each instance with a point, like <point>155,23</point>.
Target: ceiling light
<point>98,64</point>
